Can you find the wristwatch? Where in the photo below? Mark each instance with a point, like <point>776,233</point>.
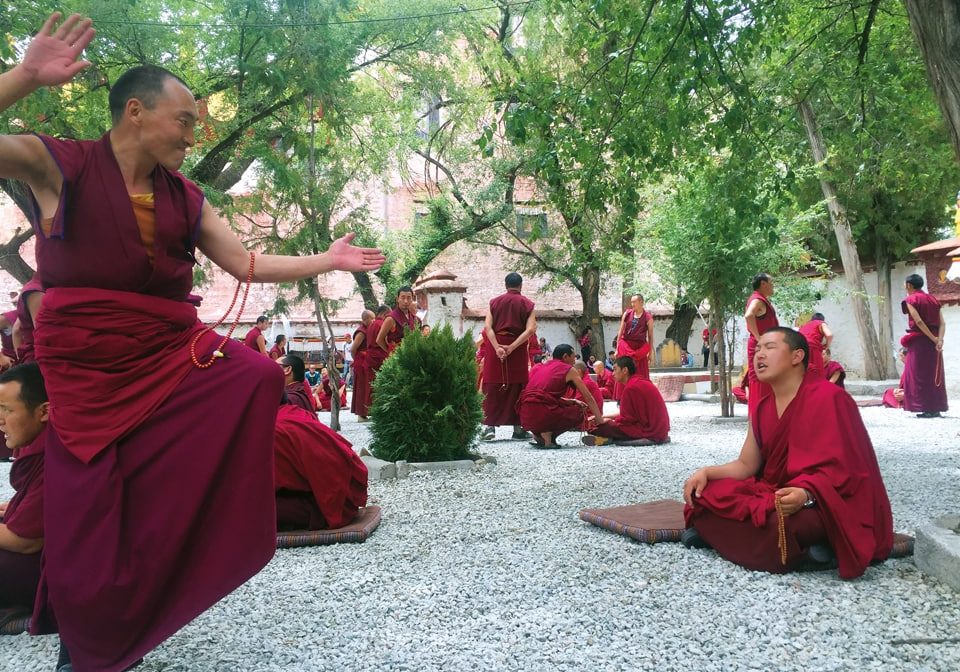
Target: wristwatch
<point>811,500</point>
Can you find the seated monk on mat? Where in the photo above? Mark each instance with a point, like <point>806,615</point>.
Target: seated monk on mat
<point>591,386</point>
<point>24,413</point>
<point>294,371</point>
<point>320,482</point>
<point>544,411</point>
<point>643,413</point>
<point>806,491</point>
<point>604,380</point>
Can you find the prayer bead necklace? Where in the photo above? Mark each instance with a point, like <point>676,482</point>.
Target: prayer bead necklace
<point>781,532</point>
<point>218,352</point>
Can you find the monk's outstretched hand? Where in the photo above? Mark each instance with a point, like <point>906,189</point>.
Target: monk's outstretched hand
<point>694,486</point>
<point>51,57</point>
<point>347,257</point>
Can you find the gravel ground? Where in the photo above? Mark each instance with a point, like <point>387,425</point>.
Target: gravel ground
<point>492,570</point>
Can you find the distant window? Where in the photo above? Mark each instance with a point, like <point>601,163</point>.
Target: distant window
<point>531,225</point>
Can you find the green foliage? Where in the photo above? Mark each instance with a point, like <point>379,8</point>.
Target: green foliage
<point>426,406</point>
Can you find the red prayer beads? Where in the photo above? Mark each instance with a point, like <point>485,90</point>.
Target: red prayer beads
<point>218,352</point>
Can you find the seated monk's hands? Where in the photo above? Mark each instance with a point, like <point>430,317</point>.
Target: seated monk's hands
<point>791,499</point>
<point>898,393</point>
<point>695,485</point>
<point>347,257</point>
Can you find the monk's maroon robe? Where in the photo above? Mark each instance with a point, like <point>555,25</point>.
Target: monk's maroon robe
<point>634,343</point>
<point>159,496</point>
<point>6,337</point>
<point>605,382</point>
<point>815,343</point>
<point>25,353</point>
<point>250,340</point>
<point>541,405</point>
<point>924,387</point>
<point>298,395</point>
<point>643,414</point>
<point>326,395</point>
<point>503,380</point>
<point>833,367</point>
<point>376,356</point>
<point>769,320</point>
<point>320,482</point>
<point>20,572</point>
<point>533,348</point>
<point>277,351</point>
<point>820,444</point>
<point>360,400</point>
<point>595,392</point>
<point>403,324</point>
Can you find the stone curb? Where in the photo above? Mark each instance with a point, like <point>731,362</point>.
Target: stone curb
<point>937,550</point>
<point>381,470</point>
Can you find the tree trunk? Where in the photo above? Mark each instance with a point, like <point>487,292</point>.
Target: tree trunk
<point>679,330</point>
<point>887,361</point>
<point>590,298</point>
<point>726,408</point>
<point>712,327</point>
<point>852,269</point>
<point>936,27</point>
<point>323,324</point>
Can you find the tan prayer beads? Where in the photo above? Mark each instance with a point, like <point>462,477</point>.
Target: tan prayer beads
<point>781,532</point>
<point>218,352</point>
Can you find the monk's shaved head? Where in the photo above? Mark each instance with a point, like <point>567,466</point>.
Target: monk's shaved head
<point>581,367</point>
<point>145,83</point>
<point>367,316</point>
<point>513,281</point>
<point>794,340</point>
<point>382,311</point>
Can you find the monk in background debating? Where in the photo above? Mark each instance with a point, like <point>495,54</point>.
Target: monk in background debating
<point>279,348</point>
<point>254,338</point>
<point>833,370</point>
<point>591,386</point>
<point>819,337</point>
<point>376,356</point>
<point>806,490</point>
<point>605,380</point>
<point>643,413</point>
<point>545,411</point>
<point>24,415</point>
<point>360,399</point>
<point>509,325</point>
<point>152,390</point>
<point>294,384</point>
<point>635,338</point>
<point>925,391</point>
<point>760,317</point>
<point>398,322</point>
<point>320,482</point>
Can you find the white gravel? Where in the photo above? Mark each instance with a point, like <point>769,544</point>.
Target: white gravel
<point>493,570</point>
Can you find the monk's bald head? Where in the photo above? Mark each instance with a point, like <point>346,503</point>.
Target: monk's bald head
<point>367,316</point>
<point>581,367</point>
<point>145,83</point>
<point>780,351</point>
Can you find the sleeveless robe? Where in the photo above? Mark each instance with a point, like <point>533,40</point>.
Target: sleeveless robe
<point>769,320</point>
<point>540,405</point>
<point>643,414</point>
<point>811,332</point>
<point>503,380</point>
<point>924,388</point>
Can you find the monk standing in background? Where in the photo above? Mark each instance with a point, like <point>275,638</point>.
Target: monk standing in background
<point>24,415</point>
<point>399,322</point>
<point>376,356</point>
<point>254,338</point>
<point>360,400</point>
<point>643,413</point>
<point>156,423</point>
<point>819,337</point>
<point>807,456</point>
<point>635,339</point>
<point>924,388</point>
<point>509,325</point>
<point>760,318</point>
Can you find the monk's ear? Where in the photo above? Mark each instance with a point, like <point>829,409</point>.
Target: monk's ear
<point>42,412</point>
<point>797,357</point>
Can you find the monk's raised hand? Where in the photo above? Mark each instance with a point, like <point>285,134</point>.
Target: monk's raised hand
<point>51,57</point>
<point>347,257</point>
<point>694,486</point>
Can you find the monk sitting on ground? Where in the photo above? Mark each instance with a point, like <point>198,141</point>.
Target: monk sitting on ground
<point>594,389</point>
<point>294,371</point>
<point>544,411</point>
<point>325,392</point>
<point>833,370</point>
<point>643,414</point>
<point>24,412</point>
<point>806,491</point>
<point>604,380</point>
<point>320,482</point>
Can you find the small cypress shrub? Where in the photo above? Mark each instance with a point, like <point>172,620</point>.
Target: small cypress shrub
<point>426,406</point>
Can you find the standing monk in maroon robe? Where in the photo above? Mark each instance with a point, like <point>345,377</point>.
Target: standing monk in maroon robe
<point>509,325</point>
<point>533,348</point>
<point>360,400</point>
<point>807,453</point>
<point>924,389</point>
<point>399,322</point>
<point>376,355</point>
<point>819,337</point>
<point>254,338</point>
<point>23,421</point>
<point>320,482</point>
<point>760,317</point>
<point>544,408</point>
<point>643,413</point>
<point>635,339</point>
<point>156,423</point>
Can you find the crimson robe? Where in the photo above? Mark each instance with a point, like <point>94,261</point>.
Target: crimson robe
<point>277,351</point>
<point>633,343</point>
<point>503,380</point>
<point>20,572</point>
<point>25,353</point>
<point>643,414</point>
<point>595,392</point>
<point>250,340</point>
<point>326,395</point>
<point>606,382</point>
<point>816,344</point>
<point>820,444</point>
<point>320,482</point>
<point>159,496</point>
<point>769,320</point>
<point>541,406</point>
<point>924,387</point>
<point>832,367</point>
<point>6,337</point>
<point>533,348</point>
<point>403,324</point>
<point>298,395</point>
<point>361,399</point>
